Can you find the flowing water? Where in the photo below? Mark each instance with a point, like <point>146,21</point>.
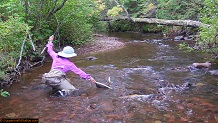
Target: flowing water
<point>150,79</point>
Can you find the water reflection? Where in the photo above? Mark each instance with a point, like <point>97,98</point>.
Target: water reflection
<point>150,82</point>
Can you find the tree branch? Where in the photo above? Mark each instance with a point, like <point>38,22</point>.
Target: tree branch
<point>26,10</point>
<point>127,14</point>
<point>21,52</point>
<point>31,41</point>
<point>57,31</point>
<point>22,47</point>
<point>54,10</point>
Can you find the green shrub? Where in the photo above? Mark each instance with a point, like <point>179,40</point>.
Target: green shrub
<point>122,25</point>
<point>141,8</point>
<point>152,28</point>
<point>209,35</point>
<point>77,19</point>
<point>179,9</point>
<point>12,34</point>
<point>101,27</point>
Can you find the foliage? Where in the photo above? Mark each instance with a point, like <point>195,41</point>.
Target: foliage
<point>185,47</point>
<point>74,20</point>
<point>80,17</point>
<point>45,17</point>
<point>101,27</point>
<point>109,4</point>
<point>141,8</point>
<point>4,93</point>
<point>10,8</point>
<point>2,73</point>
<point>209,36</point>
<point>122,25</point>
<point>12,34</point>
<point>152,28</point>
<point>179,9</point>
<point>114,11</point>
<point>164,9</point>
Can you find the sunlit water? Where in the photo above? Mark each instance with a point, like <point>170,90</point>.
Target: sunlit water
<point>150,80</point>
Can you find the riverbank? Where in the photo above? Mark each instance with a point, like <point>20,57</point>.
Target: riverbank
<point>100,43</point>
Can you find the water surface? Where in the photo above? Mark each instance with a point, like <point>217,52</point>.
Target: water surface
<point>150,80</point>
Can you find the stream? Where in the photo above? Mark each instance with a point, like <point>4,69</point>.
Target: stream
<point>150,80</point>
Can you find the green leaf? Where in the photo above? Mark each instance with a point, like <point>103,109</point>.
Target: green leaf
<point>4,93</point>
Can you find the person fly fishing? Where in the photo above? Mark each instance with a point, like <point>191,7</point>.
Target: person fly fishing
<point>61,64</point>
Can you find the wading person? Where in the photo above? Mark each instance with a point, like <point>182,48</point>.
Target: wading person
<point>61,64</point>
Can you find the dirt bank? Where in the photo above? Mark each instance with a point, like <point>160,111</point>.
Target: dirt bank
<point>99,44</point>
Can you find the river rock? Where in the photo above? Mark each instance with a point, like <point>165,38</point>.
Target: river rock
<point>137,97</point>
<point>94,106</point>
<point>178,38</point>
<point>187,84</point>
<point>90,58</point>
<point>200,84</point>
<point>214,72</point>
<point>11,115</point>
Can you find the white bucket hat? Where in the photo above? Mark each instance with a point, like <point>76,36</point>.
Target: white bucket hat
<point>67,52</point>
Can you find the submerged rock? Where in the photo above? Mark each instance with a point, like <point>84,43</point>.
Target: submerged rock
<point>137,97</point>
<point>90,58</point>
<point>38,87</point>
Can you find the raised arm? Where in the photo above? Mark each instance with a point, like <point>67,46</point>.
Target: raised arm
<point>49,46</point>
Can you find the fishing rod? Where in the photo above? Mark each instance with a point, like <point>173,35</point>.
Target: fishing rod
<point>57,30</point>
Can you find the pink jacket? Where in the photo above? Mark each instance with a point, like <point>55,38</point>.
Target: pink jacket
<point>64,64</point>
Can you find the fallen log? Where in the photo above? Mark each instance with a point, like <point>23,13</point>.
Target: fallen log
<point>188,23</point>
<point>202,65</point>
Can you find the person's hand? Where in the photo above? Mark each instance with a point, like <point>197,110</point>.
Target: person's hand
<point>92,80</point>
<point>51,38</point>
